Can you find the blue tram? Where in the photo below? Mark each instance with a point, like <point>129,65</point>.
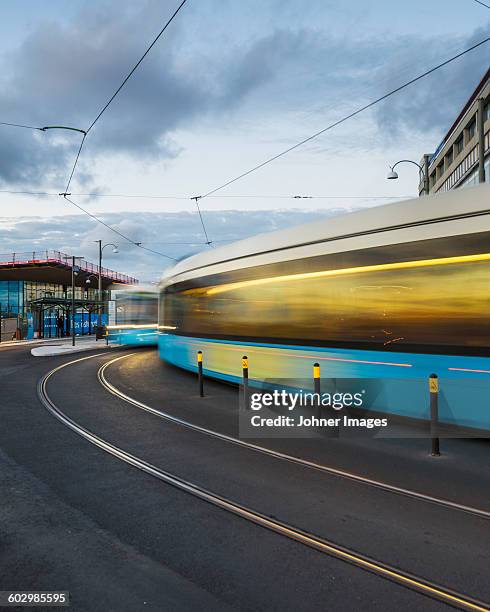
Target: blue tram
<point>135,315</point>
<point>391,294</point>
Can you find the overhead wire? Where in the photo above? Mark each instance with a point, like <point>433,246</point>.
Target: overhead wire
<point>213,191</point>
<point>483,4</point>
<point>208,241</point>
<point>106,106</point>
<point>75,163</point>
<point>19,125</point>
<point>112,229</point>
<point>224,197</point>
<point>343,119</point>
<point>136,65</point>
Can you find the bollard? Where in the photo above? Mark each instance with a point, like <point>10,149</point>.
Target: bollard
<point>434,416</point>
<point>107,338</point>
<point>199,373</point>
<point>316,387</point>
<point>245,380</point>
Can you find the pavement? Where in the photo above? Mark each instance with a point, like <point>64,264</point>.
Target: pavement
<point>43,341</point>
<point>77,519</point>
<point>65,348</point>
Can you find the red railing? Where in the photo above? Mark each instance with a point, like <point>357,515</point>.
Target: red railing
<point>57,257</point>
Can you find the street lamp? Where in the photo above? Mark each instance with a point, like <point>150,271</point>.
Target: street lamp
<point>74,271</point>
<point>101,250</point>
<point>423,175</point>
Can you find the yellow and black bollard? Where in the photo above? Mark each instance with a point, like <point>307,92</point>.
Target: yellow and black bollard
<point>316,388</point>
<point>245,381</point>
<point>434,413</point>
<point>199,373</point>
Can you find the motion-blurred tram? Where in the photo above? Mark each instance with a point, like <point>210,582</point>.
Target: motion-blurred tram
<point>392,294</point>
<point>134,316</point>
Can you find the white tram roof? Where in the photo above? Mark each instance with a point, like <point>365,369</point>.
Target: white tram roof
<point>422,218</point>
<point>117,288</point>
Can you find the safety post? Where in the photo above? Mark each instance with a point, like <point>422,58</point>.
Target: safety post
<point>107,337</point>
<point>199,373</point>
<point>316,387</point>
<point>434,413</point>
<point>245,380</point>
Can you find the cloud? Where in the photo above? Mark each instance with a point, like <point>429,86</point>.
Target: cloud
<point>175,234</point>
<point>64,71</point>
<point>62,74</point>
<point>433,103</point>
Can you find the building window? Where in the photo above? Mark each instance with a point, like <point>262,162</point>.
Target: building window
<point>432,178</point>
<point>471,130</point>
<point>458,146</point>
<point>440,169</point>
<point>486,111</point>
<point>449,158</point>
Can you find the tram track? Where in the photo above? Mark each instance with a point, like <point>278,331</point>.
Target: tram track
<point>101,375</point>
<point>332,549</point>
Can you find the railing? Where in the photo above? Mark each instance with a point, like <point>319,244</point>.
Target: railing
<point>57,257</point>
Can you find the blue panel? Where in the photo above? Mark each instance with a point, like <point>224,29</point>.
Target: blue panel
<point>134,337</point>
<point>4,296</point>
<point>399,380</point>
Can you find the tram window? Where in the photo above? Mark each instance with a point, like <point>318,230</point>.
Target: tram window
<point>376,304</point>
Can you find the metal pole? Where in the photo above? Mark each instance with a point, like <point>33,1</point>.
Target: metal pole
<point>73,300</point>
<point>199,373</point>
<point>99,318</point>
<point>0,321</point>
<point>245,380</point>
<point>434,413</point>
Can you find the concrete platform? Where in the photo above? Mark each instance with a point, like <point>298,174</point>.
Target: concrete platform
<point>66,348</point>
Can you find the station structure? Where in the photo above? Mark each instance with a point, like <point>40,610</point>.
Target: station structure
<point>36,298</point>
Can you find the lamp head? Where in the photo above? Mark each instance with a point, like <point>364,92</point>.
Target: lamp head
<point>115,250</point>
<point>392,174</point>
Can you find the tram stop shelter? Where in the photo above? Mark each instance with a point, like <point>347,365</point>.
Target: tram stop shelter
<point>36,298</point>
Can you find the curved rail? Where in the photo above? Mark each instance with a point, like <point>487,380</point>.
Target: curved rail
<point>283,456</point>
<point>411,581</point>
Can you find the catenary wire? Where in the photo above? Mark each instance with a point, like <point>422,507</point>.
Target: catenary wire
<point>19,125</point>
<point>223,197</point>
<point>75,163</point>
<point>108,103</point>
<point>483,4</point>
<point>208,241</point>
<point>343,119</point>
<point>136,65</point>
<point>133,242</point>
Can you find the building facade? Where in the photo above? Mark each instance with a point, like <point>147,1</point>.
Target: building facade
<point>463,156</point>
<point>36,297</point>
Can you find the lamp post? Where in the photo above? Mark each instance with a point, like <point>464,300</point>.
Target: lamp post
<point>73,274</point>
<point>423,173</point>
<point>101,250</point>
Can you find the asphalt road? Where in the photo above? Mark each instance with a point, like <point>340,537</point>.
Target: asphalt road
<point>75,518</point>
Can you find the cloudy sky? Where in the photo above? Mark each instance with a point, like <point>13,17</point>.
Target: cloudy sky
<point>230,84</point>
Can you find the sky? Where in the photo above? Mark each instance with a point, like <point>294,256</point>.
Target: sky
<point>229,85</point>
